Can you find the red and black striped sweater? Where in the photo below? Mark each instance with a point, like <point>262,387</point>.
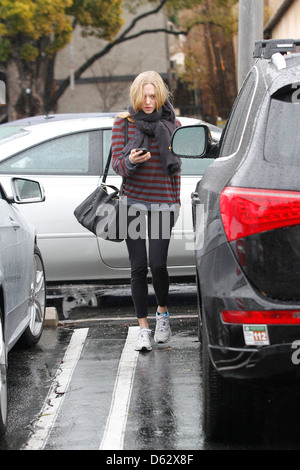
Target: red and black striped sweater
<point>146,182</point>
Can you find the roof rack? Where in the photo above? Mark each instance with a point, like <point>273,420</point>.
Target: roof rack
<point>266,48</point>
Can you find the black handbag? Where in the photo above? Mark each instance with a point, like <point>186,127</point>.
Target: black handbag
<point>101,212</point>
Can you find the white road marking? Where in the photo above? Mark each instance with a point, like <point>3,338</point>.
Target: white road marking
<point>120,318</point>
<point>56,394</point>
<point>114,432</point>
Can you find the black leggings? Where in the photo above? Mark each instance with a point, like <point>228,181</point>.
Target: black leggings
<point>159,226</point>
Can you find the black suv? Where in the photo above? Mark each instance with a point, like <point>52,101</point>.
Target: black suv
<point>246,212</point>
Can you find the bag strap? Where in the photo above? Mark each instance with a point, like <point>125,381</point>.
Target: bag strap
<point>109,160</point>
<point>107,166</point>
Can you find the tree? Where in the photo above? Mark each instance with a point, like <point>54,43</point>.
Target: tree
<point>210,59</point>
<point>33,31</point>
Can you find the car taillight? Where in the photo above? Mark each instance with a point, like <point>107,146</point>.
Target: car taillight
<point>261,317</point>
<point>248,211</point>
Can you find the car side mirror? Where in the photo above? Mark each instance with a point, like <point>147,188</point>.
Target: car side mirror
<point>191,141</point>
<point>26,191</point>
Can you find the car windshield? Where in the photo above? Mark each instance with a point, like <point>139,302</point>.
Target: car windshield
<point>283,128</point>
<point>9,131</point>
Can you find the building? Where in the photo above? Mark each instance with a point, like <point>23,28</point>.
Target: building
<point>105,84</point>
<point>285,21</point>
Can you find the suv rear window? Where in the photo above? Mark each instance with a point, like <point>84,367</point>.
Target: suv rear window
<point>282,141</point>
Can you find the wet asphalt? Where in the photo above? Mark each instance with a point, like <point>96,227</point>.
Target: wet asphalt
<point>165,407</point>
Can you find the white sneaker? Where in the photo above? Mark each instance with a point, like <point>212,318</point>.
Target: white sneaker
<point>162,331</point>
<point>144,340</point>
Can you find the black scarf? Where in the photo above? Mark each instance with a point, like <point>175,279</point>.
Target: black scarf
<point>160,124</point>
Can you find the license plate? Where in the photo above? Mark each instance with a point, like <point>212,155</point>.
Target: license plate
<point>256,335</point>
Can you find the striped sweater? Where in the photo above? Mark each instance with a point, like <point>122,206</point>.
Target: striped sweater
<point>145,182</point>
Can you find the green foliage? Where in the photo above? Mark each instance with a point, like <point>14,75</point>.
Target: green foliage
<point>218,13</point>
<point>28,52</point>
<point>101,18</point>
<point>5,50</point>
<point>33,27</point>
<point>34,18</point>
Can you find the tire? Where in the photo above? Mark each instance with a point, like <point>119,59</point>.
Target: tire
<point>3,380</point>
<point>199,309</point>
<point>37,304</point>
<point>228,404</point>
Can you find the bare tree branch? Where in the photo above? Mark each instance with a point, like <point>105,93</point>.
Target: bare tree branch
<point>123,37</point>
<point>120,39</point>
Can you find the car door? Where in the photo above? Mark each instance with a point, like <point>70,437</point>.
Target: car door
<point>69,168</point>
<point>181,259</point>
<point>15,267</point>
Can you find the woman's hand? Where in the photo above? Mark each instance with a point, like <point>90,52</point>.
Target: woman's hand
<point>138,157</point>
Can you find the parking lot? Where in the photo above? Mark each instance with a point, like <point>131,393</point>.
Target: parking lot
<point>85,388</point>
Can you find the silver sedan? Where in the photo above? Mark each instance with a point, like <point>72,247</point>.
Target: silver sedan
<point>22,279</point>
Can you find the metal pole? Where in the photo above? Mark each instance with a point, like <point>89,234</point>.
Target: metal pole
<point>251,19</point>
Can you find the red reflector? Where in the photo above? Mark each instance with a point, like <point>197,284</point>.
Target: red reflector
<point>258,317</point>
<point>247,211</point>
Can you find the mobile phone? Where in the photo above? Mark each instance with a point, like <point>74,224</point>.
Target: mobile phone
<point>143,149</point>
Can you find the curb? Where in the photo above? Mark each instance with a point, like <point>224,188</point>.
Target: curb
<point>51,317</point>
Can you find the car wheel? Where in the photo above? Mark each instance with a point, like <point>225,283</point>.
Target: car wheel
<point>3,381</point>
<point>37,304</point>
<point>228,403</point>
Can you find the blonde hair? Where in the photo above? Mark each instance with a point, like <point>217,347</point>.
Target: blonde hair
<point>148,78</point>
<point>137,95</point>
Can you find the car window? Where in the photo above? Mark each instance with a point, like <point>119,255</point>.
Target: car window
<point>106,148</point>
<point>235,128</point>
<point>72,154</point>
<point>282,141</point>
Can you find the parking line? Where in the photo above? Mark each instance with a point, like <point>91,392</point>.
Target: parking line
<point>119,318</point>
<point>114,432</point>
<point>49,412</point>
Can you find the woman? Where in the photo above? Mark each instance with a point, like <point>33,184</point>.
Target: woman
<point>151,194</point>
